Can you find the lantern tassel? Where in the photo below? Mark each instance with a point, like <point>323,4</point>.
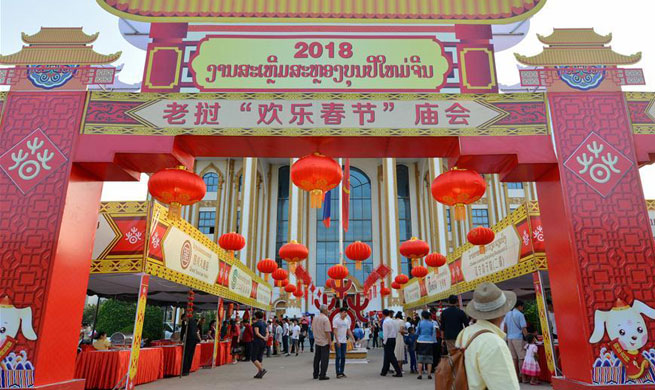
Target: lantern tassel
<point>414,261</point>
<point>266,278</point>
<point>316,199</point>
<point>460,212</point>
<point>482,249</point>
<point>337,283</point>
<point>292,267</point>
<point>358,265</point>
<point>175,210</point>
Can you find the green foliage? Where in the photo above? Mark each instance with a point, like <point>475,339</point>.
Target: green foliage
<point>118,316</point>
<point>531,312</point>
<point>89,314</point>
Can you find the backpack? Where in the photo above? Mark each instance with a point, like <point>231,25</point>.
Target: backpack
<point>451,371</point>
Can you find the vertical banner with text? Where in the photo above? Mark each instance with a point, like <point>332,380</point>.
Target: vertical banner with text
<point>138,329</point>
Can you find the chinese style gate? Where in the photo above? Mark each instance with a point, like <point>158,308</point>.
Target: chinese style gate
<point>582,141</point>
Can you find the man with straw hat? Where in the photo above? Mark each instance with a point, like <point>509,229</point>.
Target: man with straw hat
<point>487,359</point>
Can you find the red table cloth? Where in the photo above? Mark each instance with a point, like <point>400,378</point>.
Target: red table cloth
<point>206,354</point>
<point>172,359</point>
<point>105,369</point>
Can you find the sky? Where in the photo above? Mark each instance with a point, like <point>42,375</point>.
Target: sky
<point>629,21</point>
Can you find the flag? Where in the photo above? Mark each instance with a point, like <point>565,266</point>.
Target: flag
<point>345,189</point>
<point>326,209</point>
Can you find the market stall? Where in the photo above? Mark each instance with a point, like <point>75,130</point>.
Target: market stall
<point>143,253</point>
<point>516,260</point>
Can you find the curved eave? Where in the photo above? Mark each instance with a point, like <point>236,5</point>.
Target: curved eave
<point>575,37</point>
<point>377,20</point>
<point>57,35</point>
<point>96,59</point>
<point>615,59</point>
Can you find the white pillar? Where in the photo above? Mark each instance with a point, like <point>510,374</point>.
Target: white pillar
<point>248,191</point>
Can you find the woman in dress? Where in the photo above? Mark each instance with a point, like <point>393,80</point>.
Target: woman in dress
<point>399,351</point>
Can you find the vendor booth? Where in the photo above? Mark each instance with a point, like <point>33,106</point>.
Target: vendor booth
<point>143,253</point>
<point>516,260</point>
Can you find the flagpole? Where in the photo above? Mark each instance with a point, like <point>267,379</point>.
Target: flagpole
<point>340,218</point>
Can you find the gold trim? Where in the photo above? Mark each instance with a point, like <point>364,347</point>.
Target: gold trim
<point>345,21</point>
<point>492,68</point>
<point>178,64</point>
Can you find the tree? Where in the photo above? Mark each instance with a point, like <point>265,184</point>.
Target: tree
<point>118,316</point>
<point>89,314</point>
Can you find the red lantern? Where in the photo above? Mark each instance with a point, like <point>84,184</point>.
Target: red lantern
<point>458,187</point>
<point>358,252</point>
<point>338,272</point>
<point>298,293</point>
<point>284,283</point>
<point>266,266</point>
<point>293,253</point>
<point>419,271</point>
<point>481,236</point>
<point>435,260</point>
<point>396,286</point>
<point>279,275</point>
<point>176,187</point>
<point>329,284</point>
<point>384,291</point>
<point>232,242</point>
<point>289,288</point>
<point>414,249</point>
<point>401,279</point>
<point>316,174</point>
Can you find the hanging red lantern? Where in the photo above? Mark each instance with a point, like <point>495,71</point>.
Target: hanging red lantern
<point>396,286</point>
<point>176,187</point>
<point>358,252</point>
<point>298,293</point>
<point>316,174</point>
<point>284,283</point>
<point>458,187</point>
<point>289,288</point>
<point>401,279</point>
<point>232,242</point>
<point>279,275</point>
<point>435,260</point>
<point>338,272</point>
<point>329,284</point>
<point>481,236</point>
<point>419,271</point>
<point>384,291</point>
<point>414,249</point>
<point>293,253</point>
<point>267,267</point>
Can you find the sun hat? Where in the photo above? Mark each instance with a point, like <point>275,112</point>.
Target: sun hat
<point>490,302</point>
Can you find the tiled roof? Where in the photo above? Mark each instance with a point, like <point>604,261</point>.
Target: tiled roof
<point>58,55</point>
<point>578,55</point>
<point>59,35</point>
<point>575,36</point>
<point>455,11</point>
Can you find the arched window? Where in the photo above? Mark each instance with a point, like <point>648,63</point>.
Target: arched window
<point>360,229</point>
<point>211,181</point>
<point>404,211</point>
<point>282,210</point>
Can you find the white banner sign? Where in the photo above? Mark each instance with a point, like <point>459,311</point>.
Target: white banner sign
<point>240,282</point>
<point>412,292</point>
<point>438,282</point>
<point>316,114</point>
<point>500,254</point>
<point>184,254</point>
<point>651,219</point>
<point>264,294</point>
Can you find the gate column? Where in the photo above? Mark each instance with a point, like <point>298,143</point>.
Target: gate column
<point>598,238</point>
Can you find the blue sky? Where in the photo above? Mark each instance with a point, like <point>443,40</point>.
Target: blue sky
<point>630,21</point>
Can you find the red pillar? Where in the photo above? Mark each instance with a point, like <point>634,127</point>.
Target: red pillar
<point>475,58</point>
<point>163,70</point>
<point>48,213</point>
<point>598,239</point>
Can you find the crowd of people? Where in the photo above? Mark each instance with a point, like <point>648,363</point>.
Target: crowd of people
<point>499,345</point>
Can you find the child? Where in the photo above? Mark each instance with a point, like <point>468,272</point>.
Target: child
<point>530,367</point>
<point>410,342</point>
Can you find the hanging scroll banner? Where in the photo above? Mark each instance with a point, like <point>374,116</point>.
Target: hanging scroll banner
<point>319,62</point>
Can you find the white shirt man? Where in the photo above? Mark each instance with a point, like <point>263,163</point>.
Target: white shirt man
<point>341,327</point>
<point>389,329</point>
<point>295,332</point>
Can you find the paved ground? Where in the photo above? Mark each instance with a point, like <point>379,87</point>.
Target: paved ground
<point>291,373</point>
